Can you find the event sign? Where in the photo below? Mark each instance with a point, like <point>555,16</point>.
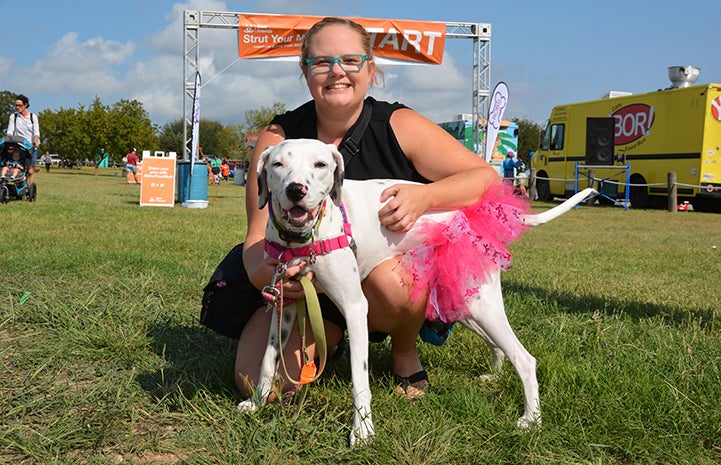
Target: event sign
<point>273,36</point>
<point>158,186</point>
<point>499,101</point>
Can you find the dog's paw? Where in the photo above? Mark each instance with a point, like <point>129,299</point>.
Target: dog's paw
<point>488,378</point>
<point>362,432</point>
<point>248,405</point>
<point>361,439</point>
<point>527,422</point>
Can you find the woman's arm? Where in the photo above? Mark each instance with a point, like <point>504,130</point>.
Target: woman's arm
<point>460,177</point>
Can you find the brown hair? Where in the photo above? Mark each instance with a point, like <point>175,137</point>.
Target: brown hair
<point>336,21</point>
<point>23,99</point>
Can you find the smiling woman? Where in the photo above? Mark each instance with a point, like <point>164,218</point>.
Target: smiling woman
<point>392,142</point>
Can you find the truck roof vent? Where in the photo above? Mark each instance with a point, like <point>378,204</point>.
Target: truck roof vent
<point>683,76</point>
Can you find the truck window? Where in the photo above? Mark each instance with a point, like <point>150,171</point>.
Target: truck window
<point>557,131</point>
<point>546,136</point>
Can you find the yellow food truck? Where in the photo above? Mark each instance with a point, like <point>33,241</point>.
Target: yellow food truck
<point>633,141</point>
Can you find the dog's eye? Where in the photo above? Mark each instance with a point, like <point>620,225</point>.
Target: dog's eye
<point>277,164</point>
<point>320,164</point>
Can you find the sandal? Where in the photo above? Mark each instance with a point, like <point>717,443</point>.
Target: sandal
<point>414,386</point>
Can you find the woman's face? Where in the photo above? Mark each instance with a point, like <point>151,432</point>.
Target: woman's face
<point>339,88</point>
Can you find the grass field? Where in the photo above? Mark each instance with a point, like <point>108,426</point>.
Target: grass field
<point>103,360</point>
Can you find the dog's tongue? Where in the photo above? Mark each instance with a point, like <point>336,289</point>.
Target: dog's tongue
<point>297,214</point>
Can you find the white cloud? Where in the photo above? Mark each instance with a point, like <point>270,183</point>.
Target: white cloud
<point>74,67</point>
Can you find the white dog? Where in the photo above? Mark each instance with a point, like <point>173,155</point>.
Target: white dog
<point>301,180</point>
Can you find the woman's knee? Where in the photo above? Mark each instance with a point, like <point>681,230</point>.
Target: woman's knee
<point>253,344</point>
<point>388,289</point>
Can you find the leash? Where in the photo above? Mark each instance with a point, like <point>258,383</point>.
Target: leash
<point>309,308</point>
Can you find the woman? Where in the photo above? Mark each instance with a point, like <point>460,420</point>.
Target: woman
<point>338,66</point>
<point>25,124</point>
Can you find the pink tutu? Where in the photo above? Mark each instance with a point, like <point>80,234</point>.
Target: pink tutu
<point>454,259</point>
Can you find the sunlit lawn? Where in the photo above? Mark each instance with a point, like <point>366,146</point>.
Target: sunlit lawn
<point>104,361</point>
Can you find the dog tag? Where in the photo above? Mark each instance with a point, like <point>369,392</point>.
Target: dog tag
<point>307,373</point>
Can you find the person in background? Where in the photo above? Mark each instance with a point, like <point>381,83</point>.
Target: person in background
<point>48,160</point>
<point>25,124</point>
<point>509,166</point>
<point>131,165</point>
<point>338,66</point>
<point>13,167</point>
<point>521,176</point>
<point>224,169</point>
<point>215,169</point>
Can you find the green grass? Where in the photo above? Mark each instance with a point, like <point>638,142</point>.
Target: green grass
<point>105,361</point>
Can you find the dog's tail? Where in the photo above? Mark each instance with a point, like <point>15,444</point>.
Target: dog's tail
<point>555,212</point>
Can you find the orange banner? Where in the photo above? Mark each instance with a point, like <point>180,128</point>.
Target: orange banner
<point>267,36</point>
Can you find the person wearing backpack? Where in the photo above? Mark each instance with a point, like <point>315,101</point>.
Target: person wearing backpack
<point>25,124</point>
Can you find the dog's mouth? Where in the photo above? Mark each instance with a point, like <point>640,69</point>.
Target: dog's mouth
<point>299,216</point>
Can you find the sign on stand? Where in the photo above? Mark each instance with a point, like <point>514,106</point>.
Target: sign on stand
<point>158,185</point>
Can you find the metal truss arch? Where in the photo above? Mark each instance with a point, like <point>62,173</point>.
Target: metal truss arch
<point>195,20</point>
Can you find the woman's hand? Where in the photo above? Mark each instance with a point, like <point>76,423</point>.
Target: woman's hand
<point>407,203</point>
<point>291,287</point>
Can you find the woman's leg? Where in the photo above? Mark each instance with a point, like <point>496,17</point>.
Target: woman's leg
<point>391,311</point>
<point>254,340</point>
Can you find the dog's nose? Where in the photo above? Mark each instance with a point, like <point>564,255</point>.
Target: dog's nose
<point>295,191</point>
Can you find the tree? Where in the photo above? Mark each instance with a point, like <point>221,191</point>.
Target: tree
<point>257,120</point>
<point>7,107</point>
<point>81,133</point>
<point>131,128</point>
<point>170,137</point>
<point>528,136</point>
<point>216,139</point>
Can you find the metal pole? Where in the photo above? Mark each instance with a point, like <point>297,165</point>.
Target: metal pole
<point>672,192</point>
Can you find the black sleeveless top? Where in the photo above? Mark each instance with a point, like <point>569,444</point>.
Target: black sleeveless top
<point>380,155</point>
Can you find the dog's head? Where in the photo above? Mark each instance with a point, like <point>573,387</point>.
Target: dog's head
<point>297,175</point>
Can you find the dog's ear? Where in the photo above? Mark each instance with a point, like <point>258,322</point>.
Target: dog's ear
<point>338,175</point>
<point>263,192</point>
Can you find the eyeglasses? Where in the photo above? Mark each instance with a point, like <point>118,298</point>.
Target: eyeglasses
<point>351,63</point>
<point>19,105</point>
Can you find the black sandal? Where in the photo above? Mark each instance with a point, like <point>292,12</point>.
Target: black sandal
<point>413,386</point>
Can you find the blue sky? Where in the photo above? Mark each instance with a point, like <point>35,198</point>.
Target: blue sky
<point>65,53</point>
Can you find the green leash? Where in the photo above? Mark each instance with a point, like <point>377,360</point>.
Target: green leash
<point>309,308</point>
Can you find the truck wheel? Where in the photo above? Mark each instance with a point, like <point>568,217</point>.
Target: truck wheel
<point>639,194</point>
<point>4,194</point>
<point>543,190</point>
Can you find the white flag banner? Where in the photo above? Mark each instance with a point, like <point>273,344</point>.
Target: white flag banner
<point>499,101</point>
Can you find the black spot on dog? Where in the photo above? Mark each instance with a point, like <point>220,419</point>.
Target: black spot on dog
<point>365,366</point>
<point>286,317</point>
<point>284,334</point>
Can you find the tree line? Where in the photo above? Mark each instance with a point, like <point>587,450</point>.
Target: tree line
<point>80,133</point>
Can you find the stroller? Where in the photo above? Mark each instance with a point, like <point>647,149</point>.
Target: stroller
<point>16,187</point>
